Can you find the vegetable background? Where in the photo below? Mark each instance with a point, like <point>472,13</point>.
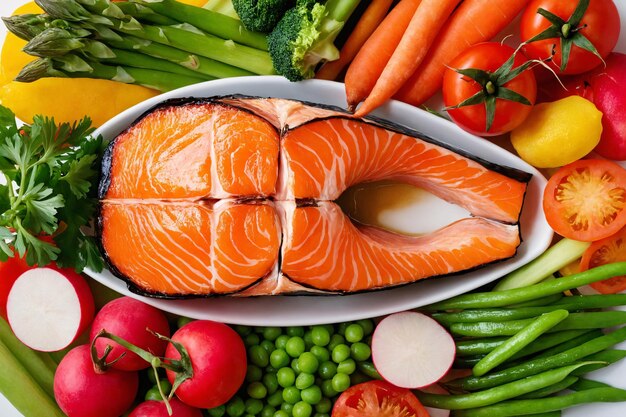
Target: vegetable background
<point>612,375</point>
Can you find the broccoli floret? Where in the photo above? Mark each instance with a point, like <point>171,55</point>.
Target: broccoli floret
<point>261,15</point>
<point>305,36</point>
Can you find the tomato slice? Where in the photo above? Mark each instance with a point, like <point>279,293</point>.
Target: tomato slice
<point>606,251</point>
<point>378,399</point>
<point>586,200</point>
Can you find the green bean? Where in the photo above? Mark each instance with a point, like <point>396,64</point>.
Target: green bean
<point>602,360</point>
<point>369,369</point>
<point>521,339</point>
<point>543,405</point>
<point>571,343</point>
<point>519,295</point>
<point>473,347</point>
<point>584,384</point>
<point>550,340</point>
<point>535,366</point>
<point>499,393</point>
<point>549,299</point>
<point>567,382</point>
<point>467,361</point>
<point>588,320</point>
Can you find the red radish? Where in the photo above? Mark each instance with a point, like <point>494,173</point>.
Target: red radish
<point>159,409</point>
<point>411,350</point>
<point>129,319</point>
<point>218,356</point>
<point>436,389</point>
<point>9,272</point>
<point>48,308</point>
<point>82,392</point>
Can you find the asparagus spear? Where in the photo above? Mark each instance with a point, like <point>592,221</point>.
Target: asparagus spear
<point>75,67</point>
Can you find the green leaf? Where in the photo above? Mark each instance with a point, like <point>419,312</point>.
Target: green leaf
<point>551,17</point>
<point>5,202</point>
<point>566,48</point>
<point>510,95</point>
<point>504,69</point>
<point>478,75</point>
<point>490,107</point>
<point>550,33</point>
<point>15,151</point>
<point>512,74</point>
<point>79,175</point>
<point>475,99</point>
<point>37,251</point>
<point>7,118</point>
<point>41,209</point>
<point>582,42</point>
<point>579,12</point>
<point>6,237</point>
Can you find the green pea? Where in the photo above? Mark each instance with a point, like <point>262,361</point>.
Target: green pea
<point>253,373</point>
<point>335,340</point>
<point>295,365</point>
<point>324,406</point>
<point>295,346</point>
<point>243,330</point>
<point>281,413</point>
<point>217,411</point>
<point>249,415</point>
<point>183,321</point>
<point>271,382</point>
<point>281,341</point>
<point>321,353</point>
<point>271,333</point>
<point>235,407</point>
<point>308,339</point>
<point>340,353</point>
<point>153,394</point>
<point>341,328</point>
<point>304,380</point>
<point>291,395</point>
<point>360,351</point>
<point>251,340</point>
<point>302,409</point>
<point>285,377</point>
<point>152,377</point>
<point>329,327</point>
<point>320,335</point>
<point>268,411</point>
<point>346,367</point>
<point>327,370</point>
<point>341,382</point>
<point>258,356</point>
<point>295,331</point>
<point>166,386</point>
<point>367,325</point>
<point>279,358</point>
<point>354,333</point>
<point>286,407</point>
<point>254,406</point>
<point>267,346</point>
<point>307,362</point>
<point>275,399</point>
<point>312,395</point>
<point>257,390</point>
<point>327,389</point>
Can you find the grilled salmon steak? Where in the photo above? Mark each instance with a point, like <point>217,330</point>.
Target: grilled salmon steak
<point>236,195</point>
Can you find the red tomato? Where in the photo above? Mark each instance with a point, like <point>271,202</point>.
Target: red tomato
<point>600,25</point>
<point>218,358</point>
<point>456,88</point>
<point>586,200</point>
<point>9,272</point>
<point>606,251</point>
<point>378,398</point>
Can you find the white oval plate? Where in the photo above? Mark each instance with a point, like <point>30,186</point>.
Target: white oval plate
<point>304,310</point>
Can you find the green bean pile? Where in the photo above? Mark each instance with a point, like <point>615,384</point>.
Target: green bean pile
<point>526,344</point>
<point>299,371</point>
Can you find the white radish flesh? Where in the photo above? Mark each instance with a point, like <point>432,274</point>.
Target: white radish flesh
<point>411,350</point>
<point>48,308</point>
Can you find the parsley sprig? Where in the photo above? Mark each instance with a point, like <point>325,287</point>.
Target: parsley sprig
<point>48,193</point>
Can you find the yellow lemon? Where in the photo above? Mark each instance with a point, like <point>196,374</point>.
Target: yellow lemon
<point>65,99</point>
<point>558,133</point>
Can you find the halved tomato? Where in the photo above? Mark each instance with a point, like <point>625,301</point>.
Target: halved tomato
<point>606,251</point>
<point>586,200</point>
<point>378,399</point>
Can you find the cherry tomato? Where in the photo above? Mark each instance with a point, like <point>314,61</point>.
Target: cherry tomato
<point>600,25</point>
<point>509,114</point>
<point>586,200</point>
<point>378,398</point>
<point>218,358</point>
<point>606,251</point>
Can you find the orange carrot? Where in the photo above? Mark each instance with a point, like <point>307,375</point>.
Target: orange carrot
<point>371,18</point>
<point>425,24</point>
<point>375,53</point>
<point>473,22</point>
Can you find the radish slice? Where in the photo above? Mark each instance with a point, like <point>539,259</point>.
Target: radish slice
<point>48,308</point>
<point>411,350</point>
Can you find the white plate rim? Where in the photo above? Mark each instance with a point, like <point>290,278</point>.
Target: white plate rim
<point>309,310</point>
